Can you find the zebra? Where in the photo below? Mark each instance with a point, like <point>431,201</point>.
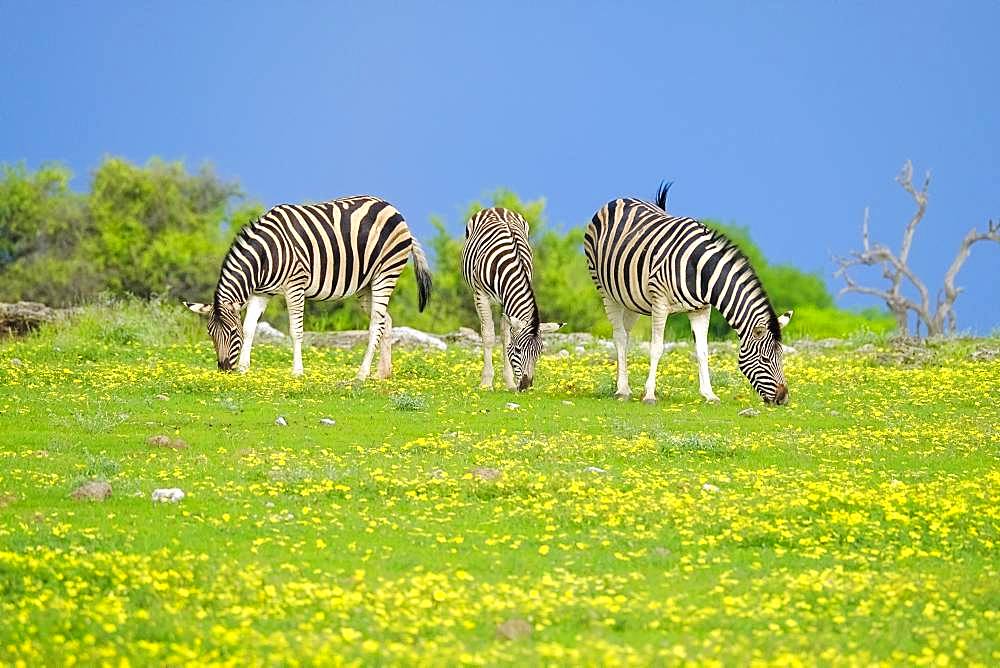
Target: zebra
<point>496,263</point>
<point>646,261</point>
<point>331,250</point>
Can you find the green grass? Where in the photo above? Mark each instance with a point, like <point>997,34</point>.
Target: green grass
<point>859,524</point>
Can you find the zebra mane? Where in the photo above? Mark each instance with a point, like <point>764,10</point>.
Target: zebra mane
<point>225,259</point>
<point>661,194</point>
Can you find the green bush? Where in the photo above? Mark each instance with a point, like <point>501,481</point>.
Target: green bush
<point>155,231</point>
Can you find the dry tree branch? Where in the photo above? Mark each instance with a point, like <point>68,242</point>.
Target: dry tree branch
<point>951,291</point>
<point>895,268</point>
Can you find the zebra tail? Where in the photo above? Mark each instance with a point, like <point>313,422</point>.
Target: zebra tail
<point>423,272</point>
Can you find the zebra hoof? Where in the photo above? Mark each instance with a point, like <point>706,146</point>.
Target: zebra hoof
<point>712,399</point>
<point>623,396</point>
<point>649,402</point>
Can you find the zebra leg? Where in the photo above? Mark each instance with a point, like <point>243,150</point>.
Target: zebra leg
<point>486,327</point>
<point>617,315</point>
<point>255,306</point>
<point>659,320</point>
<point>295,299</point>
<point>385,342</point>
<point>379,315</point>
<point>699,327</point>
<point>385,350</point>
<point>508,370</point>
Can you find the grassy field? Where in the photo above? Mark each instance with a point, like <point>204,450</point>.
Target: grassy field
<point>860,524</point>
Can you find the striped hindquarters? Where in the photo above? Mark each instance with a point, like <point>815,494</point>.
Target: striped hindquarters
<point>497,259</point>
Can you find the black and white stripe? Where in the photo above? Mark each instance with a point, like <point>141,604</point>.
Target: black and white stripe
<point>645,261</point>
<point>350,246</point>
<point>496,262</point>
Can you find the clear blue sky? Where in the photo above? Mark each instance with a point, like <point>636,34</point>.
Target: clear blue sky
<point>788,118</point>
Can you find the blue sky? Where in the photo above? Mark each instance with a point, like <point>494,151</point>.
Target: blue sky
<point>788,118</point>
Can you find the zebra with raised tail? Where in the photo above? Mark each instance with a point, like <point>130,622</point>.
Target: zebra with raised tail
<point>645,261</point>
<point>496,262</point>
<point>350,246</point>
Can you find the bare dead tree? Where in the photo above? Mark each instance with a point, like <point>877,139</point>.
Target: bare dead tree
<point>896,270</point>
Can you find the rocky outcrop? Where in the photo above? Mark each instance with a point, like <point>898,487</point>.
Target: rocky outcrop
<point>23,317</point>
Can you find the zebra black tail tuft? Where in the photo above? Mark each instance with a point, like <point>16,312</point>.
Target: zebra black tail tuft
<point>661,194</point>
<point>423,273</point>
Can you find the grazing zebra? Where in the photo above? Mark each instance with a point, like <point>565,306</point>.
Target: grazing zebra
<point>496,262</point>
<point>355,245</point>
<point>645,261</point>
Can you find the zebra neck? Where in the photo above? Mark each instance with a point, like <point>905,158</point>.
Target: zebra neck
<point>745,304</point>
<point>236,284</point>
<point>519,302</point>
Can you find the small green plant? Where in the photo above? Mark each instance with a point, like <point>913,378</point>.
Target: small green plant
<point>404,401</point>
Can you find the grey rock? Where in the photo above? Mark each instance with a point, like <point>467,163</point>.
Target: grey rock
<point>749,412</point>
<point>281,421</point>
<point>23,317</point>
<point>594,469</point>
<point>486,474</point>
<point>710,488</point>
<point>514,629</point>
<point>164,441</point>
<point>95,490</point>
<point>328,422</point>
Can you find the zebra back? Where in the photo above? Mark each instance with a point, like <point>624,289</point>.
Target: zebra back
<point>333,249</point>
<point>639,255</point>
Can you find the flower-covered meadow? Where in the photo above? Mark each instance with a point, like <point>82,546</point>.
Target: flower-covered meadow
<point>859,525</point>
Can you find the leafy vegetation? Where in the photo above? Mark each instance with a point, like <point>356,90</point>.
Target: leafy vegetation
<point>859,525</point>
<point>158,231</point>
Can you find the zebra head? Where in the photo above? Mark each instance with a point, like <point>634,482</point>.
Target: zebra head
<point>760,359</point>
<point>524,348</point>
<point>225,329</point>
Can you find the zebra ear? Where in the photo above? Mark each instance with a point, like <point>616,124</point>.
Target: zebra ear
<point>547,327</point>
<point>199,308</point>
<point>516,325</point>
<point>784,318</point>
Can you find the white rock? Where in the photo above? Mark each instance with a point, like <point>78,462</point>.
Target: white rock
<point>580,350</point>
<point>15,361</point>
<point>788,350</point>
<point>749,412</point>
<point>416,336</point>
<point>563,353</point>
<point>329,422</point>
<point>168,495</point>
<point>709,487</point>
<point>512,406</point>
<point>281,421</point>
<point>567,402</point>
<point>594,469</point>
<point>265,330</point>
